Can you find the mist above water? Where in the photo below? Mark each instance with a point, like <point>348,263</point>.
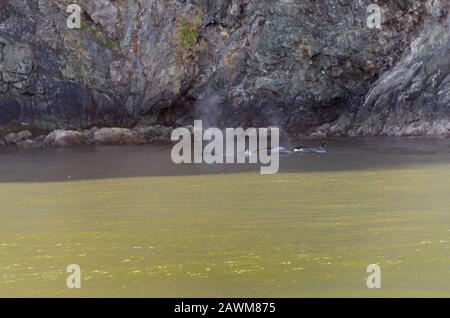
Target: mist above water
<point>208,110</point>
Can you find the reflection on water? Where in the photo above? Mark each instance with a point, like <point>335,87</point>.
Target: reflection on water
<point>140,226</point>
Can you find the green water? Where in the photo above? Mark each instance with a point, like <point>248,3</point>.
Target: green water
<point>310,230</point>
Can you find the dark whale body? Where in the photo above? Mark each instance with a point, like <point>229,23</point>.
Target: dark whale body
<point>304,149</point>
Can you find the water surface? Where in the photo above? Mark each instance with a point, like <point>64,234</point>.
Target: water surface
<point>139,225</point>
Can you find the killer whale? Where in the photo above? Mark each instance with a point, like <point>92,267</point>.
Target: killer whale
<point>278,150</point>
<point>304,149</point>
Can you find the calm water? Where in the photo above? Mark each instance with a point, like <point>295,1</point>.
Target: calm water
<point>141,226</point>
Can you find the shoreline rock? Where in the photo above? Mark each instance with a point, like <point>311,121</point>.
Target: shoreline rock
<point>143,135</point>
<point>94,136</point>
<point>117,136</point>
<point>65,138</point>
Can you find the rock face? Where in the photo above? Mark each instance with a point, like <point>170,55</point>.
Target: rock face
<point>412,98</point>
<point>311,67</point>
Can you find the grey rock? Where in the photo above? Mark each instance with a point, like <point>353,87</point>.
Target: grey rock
<point>40,138</point>
<point>117,136</point>
<point>104,13</point>
<point>412,98</point>
<point>24,135</point>
<point>89,135</point>
<point>27,144</point>
<point>11,139</point>
<point>155,133</point>
<point>65,138</point>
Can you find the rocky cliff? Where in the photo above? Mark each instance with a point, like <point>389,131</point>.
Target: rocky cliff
<point>309,66</point>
